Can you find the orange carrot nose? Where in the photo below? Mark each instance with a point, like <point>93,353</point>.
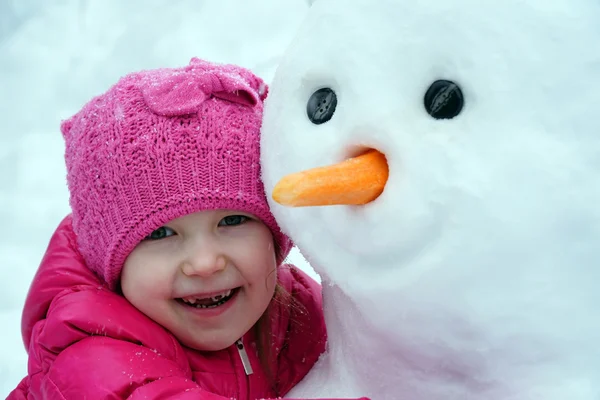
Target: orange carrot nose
<point>356,181</point>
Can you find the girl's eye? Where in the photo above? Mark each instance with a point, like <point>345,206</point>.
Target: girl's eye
<point>160,233</point>
<point>232,220</point>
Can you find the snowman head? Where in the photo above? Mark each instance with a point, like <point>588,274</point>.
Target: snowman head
<point>487,114</point>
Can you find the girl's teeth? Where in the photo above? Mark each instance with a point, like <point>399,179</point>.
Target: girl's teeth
<point>220,296</point>
<point>194,299</point>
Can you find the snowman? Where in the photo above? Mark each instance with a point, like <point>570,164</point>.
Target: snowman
<point>438,164</point>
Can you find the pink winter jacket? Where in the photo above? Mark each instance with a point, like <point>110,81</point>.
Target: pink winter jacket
<point>86,342</point>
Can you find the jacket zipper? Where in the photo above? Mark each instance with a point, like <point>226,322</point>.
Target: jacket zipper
<point>244,357</point>
<point>239,344</point>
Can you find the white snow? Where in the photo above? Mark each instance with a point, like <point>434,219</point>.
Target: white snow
<point>54,56</point>
<point>475,274</point>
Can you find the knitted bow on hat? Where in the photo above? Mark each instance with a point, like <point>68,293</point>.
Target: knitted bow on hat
<point>180,92</point>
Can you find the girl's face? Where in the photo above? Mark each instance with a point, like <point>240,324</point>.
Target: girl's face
<point>207,277</point>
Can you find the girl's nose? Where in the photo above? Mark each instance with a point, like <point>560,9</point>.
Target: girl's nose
<point>203,259</point>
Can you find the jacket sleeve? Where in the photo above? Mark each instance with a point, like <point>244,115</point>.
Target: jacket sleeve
<point>105,368</point>
<point>306,335</point>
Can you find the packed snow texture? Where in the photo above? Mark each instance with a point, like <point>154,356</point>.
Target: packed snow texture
<point>54,56</point>
<point>475,274</point>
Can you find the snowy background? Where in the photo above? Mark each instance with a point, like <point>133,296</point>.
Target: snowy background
<point>54,56</point>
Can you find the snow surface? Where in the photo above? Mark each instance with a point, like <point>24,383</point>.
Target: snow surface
<point>475,274</point>
<point>54,56</point>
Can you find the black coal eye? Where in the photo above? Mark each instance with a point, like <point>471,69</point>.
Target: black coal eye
<point>444,99</point>
<point>321,106</point>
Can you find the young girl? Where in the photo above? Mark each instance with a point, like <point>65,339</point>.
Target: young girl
<point>166,281</point>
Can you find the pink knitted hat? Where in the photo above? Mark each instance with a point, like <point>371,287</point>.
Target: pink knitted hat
<point>161,144</point>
